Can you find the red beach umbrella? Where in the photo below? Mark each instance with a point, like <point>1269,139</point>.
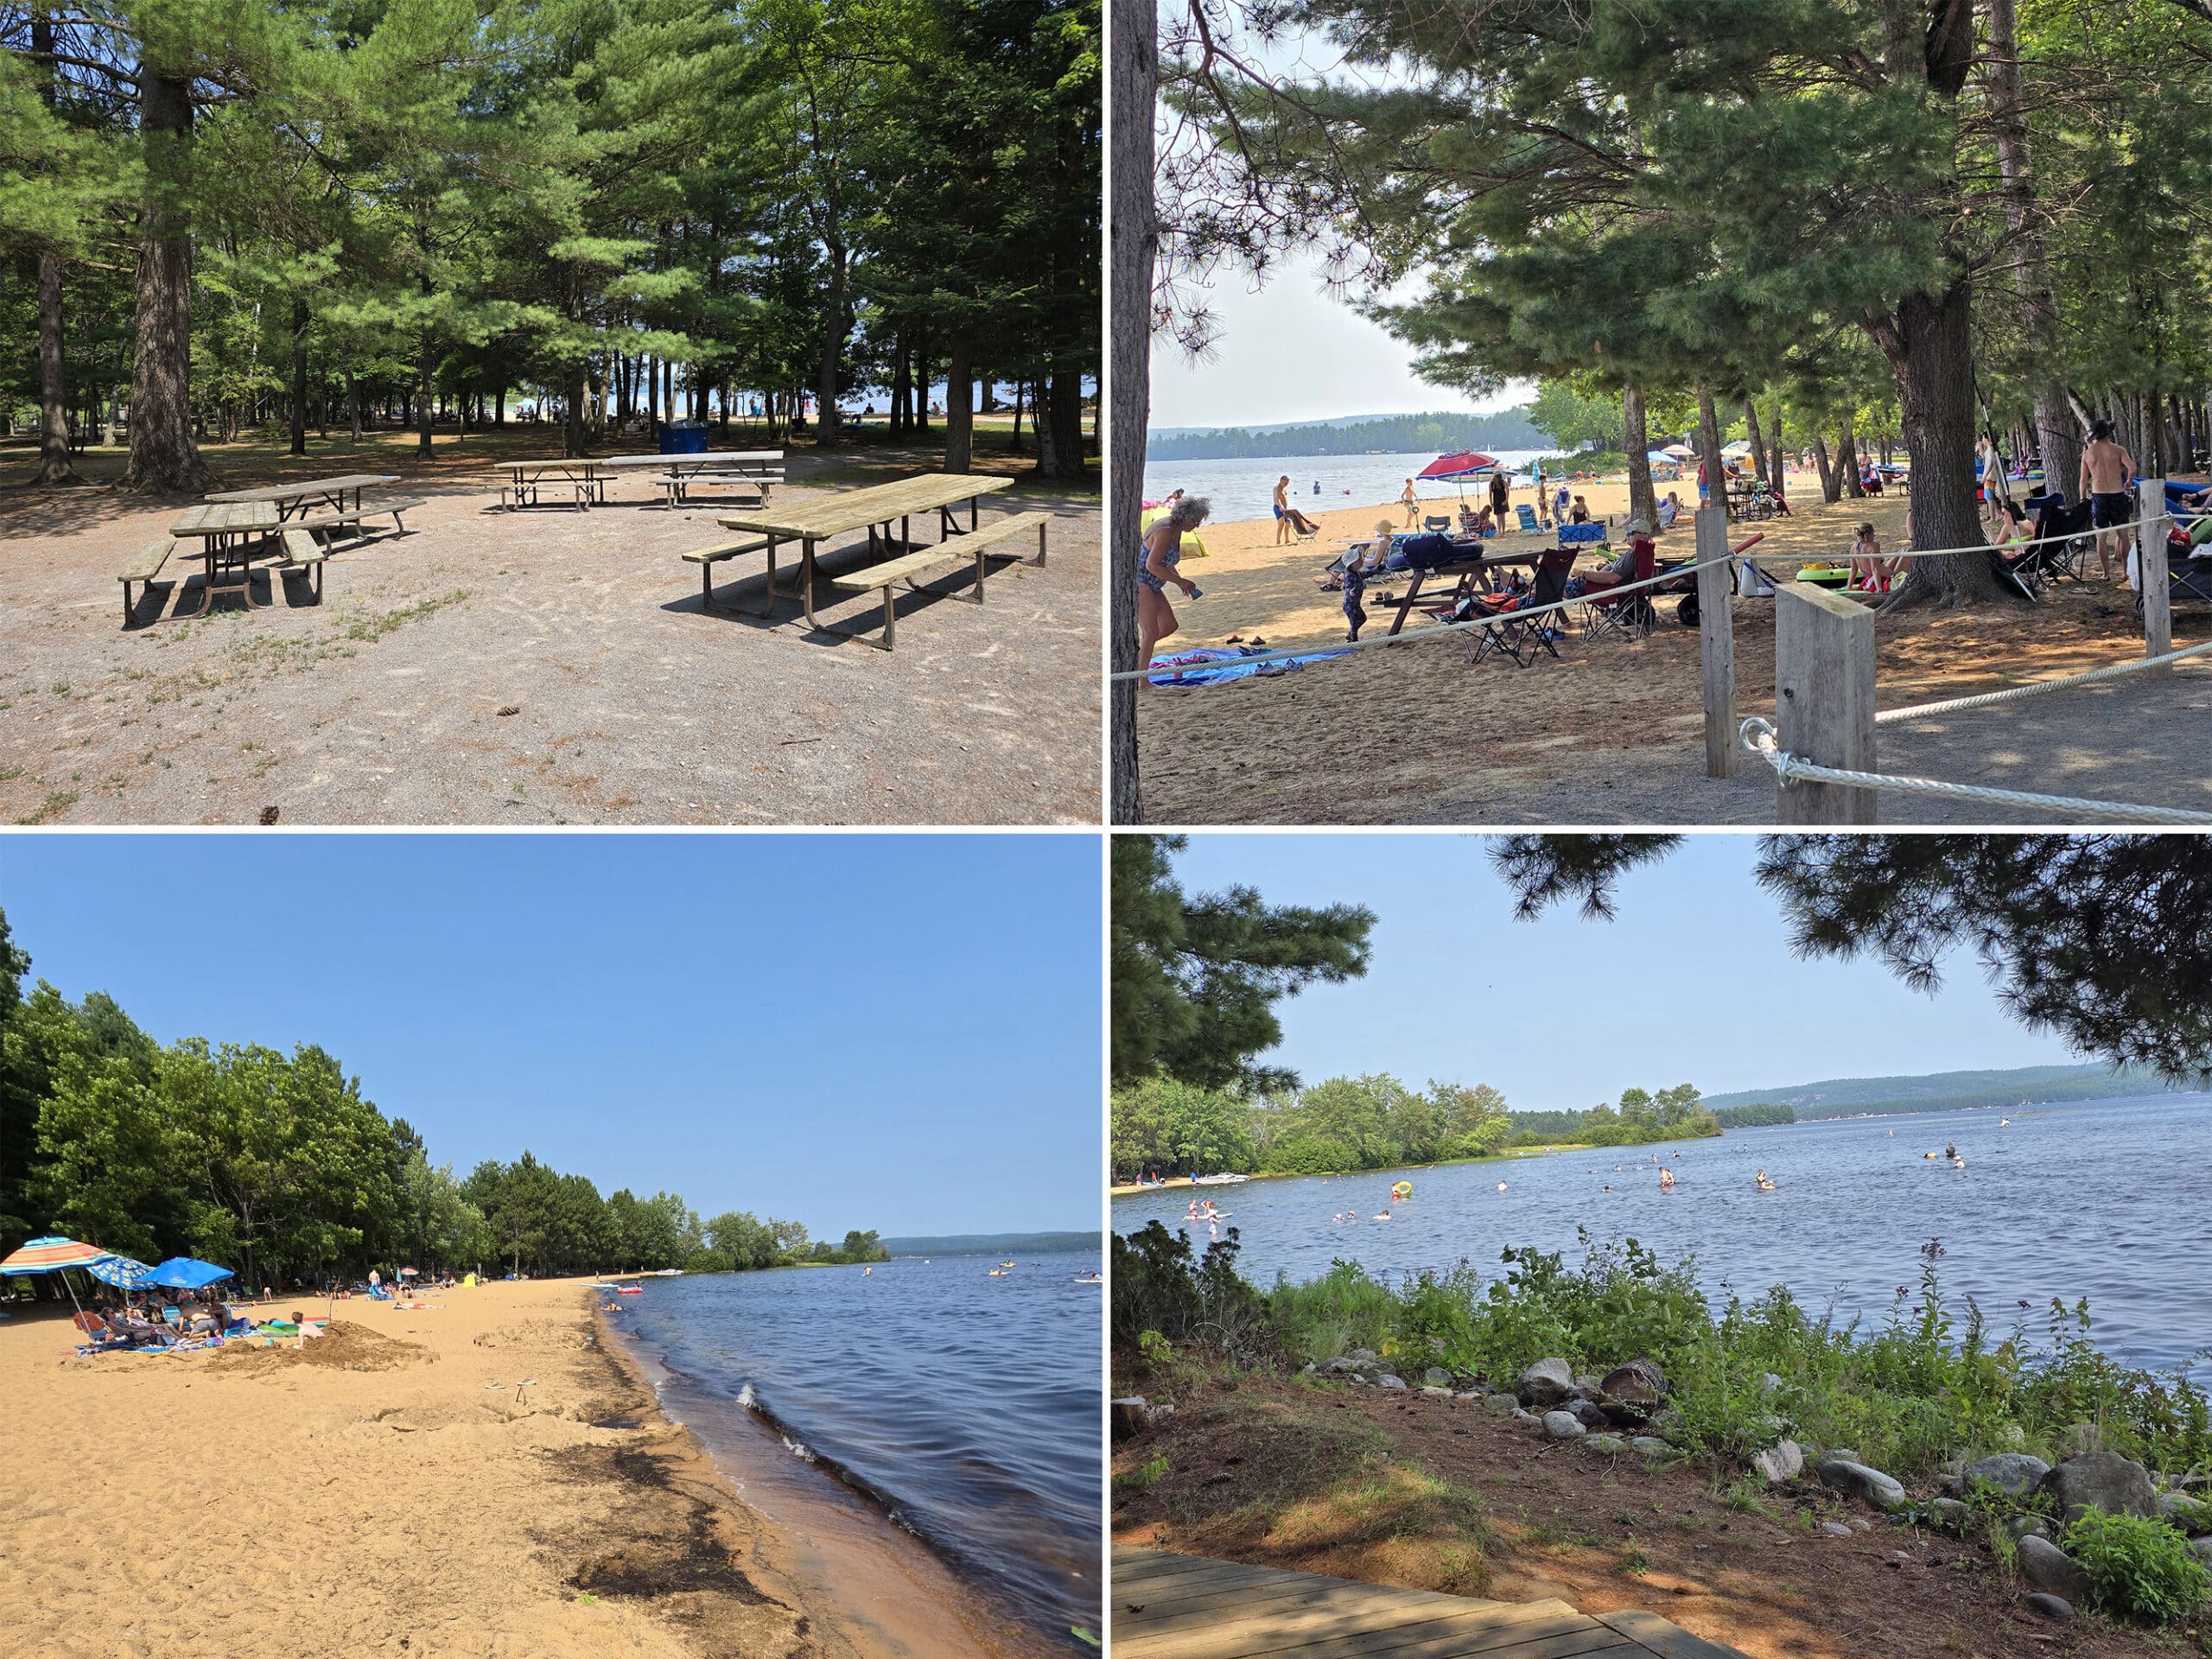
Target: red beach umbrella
<point>1460,463</point>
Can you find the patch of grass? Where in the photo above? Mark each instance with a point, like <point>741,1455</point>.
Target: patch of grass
<point>1746,1495</point>
<point>56,802</point>
<point>374,627</point>
<point>1145,1477</point>
<point>1635,1560</point>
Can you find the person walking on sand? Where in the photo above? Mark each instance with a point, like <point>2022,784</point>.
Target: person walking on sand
<point>1158,554</point>
<point>1359,566</point>
<point>1411,503</point>
<point>2107,473</point>
<point>1282,509</point>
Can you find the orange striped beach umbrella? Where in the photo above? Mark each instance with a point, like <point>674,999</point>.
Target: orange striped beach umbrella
<point>46,1254</point>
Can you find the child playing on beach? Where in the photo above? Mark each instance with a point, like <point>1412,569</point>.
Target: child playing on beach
<point>1411,503</point>
<point>1357,568</point>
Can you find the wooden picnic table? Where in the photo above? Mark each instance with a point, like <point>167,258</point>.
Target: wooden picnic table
<point>226,531</point>
<point>699,459</point>
<point>297,498</point>
<point>1466,571</point>
<point>811,523</point>
<point>524,475</point>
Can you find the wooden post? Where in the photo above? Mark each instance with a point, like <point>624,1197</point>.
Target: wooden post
<point>1824,701</point>
<point>2151,570</point>
<point>1717,641</point>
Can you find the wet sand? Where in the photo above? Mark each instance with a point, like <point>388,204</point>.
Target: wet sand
<point>395,1488</point>
<point>882,1590</point>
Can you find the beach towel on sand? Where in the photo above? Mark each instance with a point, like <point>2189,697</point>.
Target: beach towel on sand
<point>1216,666</point>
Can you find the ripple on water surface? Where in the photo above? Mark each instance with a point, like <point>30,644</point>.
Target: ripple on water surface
<point>968,1407</point>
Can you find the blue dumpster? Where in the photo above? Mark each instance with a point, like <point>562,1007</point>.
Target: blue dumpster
<point>684,438</point>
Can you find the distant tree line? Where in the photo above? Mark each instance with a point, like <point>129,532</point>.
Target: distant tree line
<point>1165,1127</point>
<point>1509,429</point>
<point>1754,1117</point>
<point>277,1166</point>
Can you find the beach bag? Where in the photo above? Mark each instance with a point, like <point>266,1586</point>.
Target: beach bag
<point>1423,552</point>
<point>1751,582</point>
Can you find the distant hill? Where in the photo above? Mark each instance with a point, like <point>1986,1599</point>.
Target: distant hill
<point>1508,429</point>
<point>993,1243</point>
<point>1947,1091</point>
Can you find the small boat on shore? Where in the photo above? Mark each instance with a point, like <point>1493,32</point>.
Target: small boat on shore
<point>1218,1180</point>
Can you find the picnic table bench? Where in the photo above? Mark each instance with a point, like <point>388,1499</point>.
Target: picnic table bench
<point>354,516</point>
<point>763,468</point>
<point>144,565</point>
<point>957,551</point>
<point>875,509</point>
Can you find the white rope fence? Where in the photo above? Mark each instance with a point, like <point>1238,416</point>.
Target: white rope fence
<point>1758,738</point>
<point>1676,573</point>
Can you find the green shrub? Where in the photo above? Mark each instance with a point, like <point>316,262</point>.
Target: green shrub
<point>1154,1349</point>
<point>2138,1567</point>
<point>1341,1310</point>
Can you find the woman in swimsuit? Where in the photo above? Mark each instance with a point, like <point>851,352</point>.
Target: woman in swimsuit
<point>1158,554</point>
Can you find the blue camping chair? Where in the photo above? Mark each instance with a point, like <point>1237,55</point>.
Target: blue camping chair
<point>1528,519</point>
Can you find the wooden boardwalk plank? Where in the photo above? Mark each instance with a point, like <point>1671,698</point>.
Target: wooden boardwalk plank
<point>1193,1607</point>
<point>1350,1637</point>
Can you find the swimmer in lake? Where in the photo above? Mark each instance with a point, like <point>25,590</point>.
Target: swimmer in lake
<point>1765,1184</point>
<point>1666,1180</point>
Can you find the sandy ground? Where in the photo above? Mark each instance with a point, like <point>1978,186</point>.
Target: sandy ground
<point>1612,731</point>
<point>1280,1475</point>
<point>550,666</point>
<point>391,1490</point>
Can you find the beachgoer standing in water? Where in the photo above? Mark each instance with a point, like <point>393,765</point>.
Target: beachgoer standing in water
<point>2107,473</point>
<point>1158,554</point>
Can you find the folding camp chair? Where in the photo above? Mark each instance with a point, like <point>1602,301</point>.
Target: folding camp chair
<point>1631,615</point>
<point>1528,524</point>
<point>1439,522</point>
<point>2066,557</point>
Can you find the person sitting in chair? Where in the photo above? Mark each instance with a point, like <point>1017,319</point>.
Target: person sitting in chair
<point>1624,568</point>
<point>1669,510</point>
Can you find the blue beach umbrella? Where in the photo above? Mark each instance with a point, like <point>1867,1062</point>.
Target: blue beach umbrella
<point>182,1273</point>
<point>121,1271</point>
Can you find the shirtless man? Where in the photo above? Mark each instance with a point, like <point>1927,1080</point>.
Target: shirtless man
<point>2107,476</point>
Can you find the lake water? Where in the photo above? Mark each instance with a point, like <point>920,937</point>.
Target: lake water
<point>2110,1200</point>
<point>1244,487</point>
<point>966,1408</point>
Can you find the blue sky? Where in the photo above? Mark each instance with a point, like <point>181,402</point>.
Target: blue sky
<point>900,1032</point>
<point>1693,982</point>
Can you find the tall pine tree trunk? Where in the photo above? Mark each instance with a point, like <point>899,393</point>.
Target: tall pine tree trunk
<point>1831,478</point>
<point>55,465</point>
<point>572,423</point>
<point>1643,500</point>
<point>837,325</point>
<point>1758,443</point>
<point>299,376</point>
<point>959,407</point>
<point>1132,241</point>
<point>1708,448</point>
<point>1846,463</point>
<point>2057,435</point>
<point>1929,348</point>
<point>1063,414</point>
<point>163,455</point>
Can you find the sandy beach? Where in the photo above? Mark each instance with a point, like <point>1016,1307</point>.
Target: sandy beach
<point>395,1488</point>
<point>1611,731</point>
